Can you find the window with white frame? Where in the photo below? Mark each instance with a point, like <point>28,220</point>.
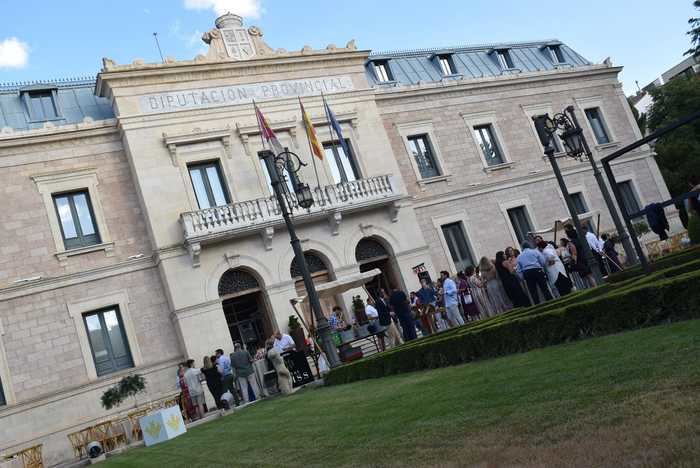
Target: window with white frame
<point>382,71</point>
<point>555,139</point>
<point>446,65</point>
<point>595,119</point>
<point>343,166</point>
<point>108,341</point>
<point>287,180</point>
<point>504,59</point>
<point>208,184</point>
<point>520,220</point>
<point>422,153</point>
<point>490,148</point>
<point>458,246</point>
<point>630,199</point>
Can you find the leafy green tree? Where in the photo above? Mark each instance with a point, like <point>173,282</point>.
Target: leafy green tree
<point>678,151</point>
<point>694,33</point>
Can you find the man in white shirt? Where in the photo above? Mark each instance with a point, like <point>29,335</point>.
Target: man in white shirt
<point>194,386</point>
<point>593,241</point>
<point>283,342</point>
<point>370,310</point>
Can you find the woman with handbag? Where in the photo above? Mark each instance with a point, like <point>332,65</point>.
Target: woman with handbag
<point>471,310</point>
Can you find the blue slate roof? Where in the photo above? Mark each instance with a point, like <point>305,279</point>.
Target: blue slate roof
<point>410,67</point>
<point>76,100</point>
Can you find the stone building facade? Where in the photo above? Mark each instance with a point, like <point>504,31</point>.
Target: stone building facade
<point>139,224</point>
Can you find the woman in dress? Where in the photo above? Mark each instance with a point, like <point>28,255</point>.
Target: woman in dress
<point>581,265</point>
<point>213,378</point>
<point>471,311</point>
<point>494,288</point>
<point>185,401</point>
<point>479,293</point>
<point>510,282</point>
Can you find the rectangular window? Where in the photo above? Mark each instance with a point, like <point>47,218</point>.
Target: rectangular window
<point>457,245</point>
<point>489,146</point>
<point>343,166</point>
<point>581,208</point>
<point>595,118</point>
<point>423,154</point>
<point>42,106</point>
<point>557,54</point>
<point>110,348</point>
<point>446,65</point>
<point>504,59</point>
<point>287,180</point>
<point>76,218</point>
<point>382,71</point>
<point>520,222</point>
<point>208,185</point>
<point>3,402</point>
<point>555,140</point>
<point>629,197</point>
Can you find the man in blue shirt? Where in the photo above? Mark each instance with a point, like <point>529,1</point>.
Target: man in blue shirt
<point>451,300</point>
<point>530,267</point>
<point>223,364</point>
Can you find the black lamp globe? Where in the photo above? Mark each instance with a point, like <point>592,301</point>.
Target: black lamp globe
<point>304,196</point>
<point>573,140</point>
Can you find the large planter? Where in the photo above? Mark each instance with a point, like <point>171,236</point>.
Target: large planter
<point>346,335</point>
<point>162,425</point>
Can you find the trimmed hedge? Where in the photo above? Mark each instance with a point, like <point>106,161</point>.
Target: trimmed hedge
<point>667,295</point>
<point>676,258</point>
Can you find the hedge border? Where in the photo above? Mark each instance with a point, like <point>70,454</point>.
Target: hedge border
<point>667,295</point>
<point>664,262</point>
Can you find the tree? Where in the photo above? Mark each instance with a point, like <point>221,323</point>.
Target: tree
<point>694,33</point>
<point>640,118</point>
<point>678,151</point>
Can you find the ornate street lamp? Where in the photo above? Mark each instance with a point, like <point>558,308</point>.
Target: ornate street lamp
<point>277,165</point>
<point>577,147</point>
<point>546,128</point>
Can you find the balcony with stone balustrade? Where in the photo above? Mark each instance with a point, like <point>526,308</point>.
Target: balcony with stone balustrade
<point>263,215</point>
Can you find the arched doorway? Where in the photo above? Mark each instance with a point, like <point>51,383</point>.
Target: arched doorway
<point>370,253</point>
<point>245,308</point>
<point>320,273</point>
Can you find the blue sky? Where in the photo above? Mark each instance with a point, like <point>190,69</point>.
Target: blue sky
<point>69,38</point>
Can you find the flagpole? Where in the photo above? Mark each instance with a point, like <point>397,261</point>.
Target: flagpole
<point>311,151</point>
<point>257,118</point>
<point>338,163</point>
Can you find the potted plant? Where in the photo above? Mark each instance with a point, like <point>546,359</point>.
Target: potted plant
<point>358,308</point>
<point>297,333</point>
<point>129,386</point>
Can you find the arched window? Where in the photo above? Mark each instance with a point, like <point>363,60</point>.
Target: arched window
<point>370,249</point>
<point>313,261</point>
<point>236,281</point>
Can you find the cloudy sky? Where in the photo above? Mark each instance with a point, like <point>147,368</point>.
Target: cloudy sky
<point>42,39</point>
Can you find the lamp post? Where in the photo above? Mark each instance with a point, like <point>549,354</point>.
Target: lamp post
<point>546,127</point>
<point>276,165</point>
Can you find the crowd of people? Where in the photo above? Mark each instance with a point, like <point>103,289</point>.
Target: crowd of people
<point>231,378</point>
<point>538,271</point>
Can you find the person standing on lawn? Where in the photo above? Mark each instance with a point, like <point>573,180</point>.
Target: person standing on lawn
<point>391,333</point>
<point>242,364</point>
<point>223,364</point>
<point>451,300</point>
<point>530,267</point>
<point>211,374</point>
<point>192,377</point>
<point>399,303</point>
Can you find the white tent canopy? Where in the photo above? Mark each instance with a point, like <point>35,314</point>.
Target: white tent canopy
<point>339,286</point>
<point>560,223</point>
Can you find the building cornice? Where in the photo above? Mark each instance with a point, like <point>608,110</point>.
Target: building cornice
<point>57,282</point>
<point>188,71</point>
<point>59,133</point>
<point>451,86</point>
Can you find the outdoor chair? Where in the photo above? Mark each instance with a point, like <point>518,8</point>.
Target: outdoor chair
<point>30,457</point>
<point>134,416</point>
<point>79,441</point>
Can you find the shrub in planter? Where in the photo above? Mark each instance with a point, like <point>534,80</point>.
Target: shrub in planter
<point>129,386</point>
<point>296,332</point>
<point>358,308</point>
<point>694,229</point>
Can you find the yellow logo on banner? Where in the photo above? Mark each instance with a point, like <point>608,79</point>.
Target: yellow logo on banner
<point>153,429</point>
<point>173,422</point>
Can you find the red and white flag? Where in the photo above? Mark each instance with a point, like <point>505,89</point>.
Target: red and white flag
<point>267,134</point>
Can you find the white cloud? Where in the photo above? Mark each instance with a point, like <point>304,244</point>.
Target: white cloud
<point>13,53</point>
<point>245,8</point>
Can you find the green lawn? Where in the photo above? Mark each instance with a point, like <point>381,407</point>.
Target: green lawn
<point>631,399</point>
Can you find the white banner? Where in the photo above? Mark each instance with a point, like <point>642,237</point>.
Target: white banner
<point>242,94</point>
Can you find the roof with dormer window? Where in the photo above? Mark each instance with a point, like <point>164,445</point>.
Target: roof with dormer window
<point>75,101</point>
<point>418,66</point>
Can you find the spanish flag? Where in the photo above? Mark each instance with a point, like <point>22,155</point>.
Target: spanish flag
<point>316,147</point>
